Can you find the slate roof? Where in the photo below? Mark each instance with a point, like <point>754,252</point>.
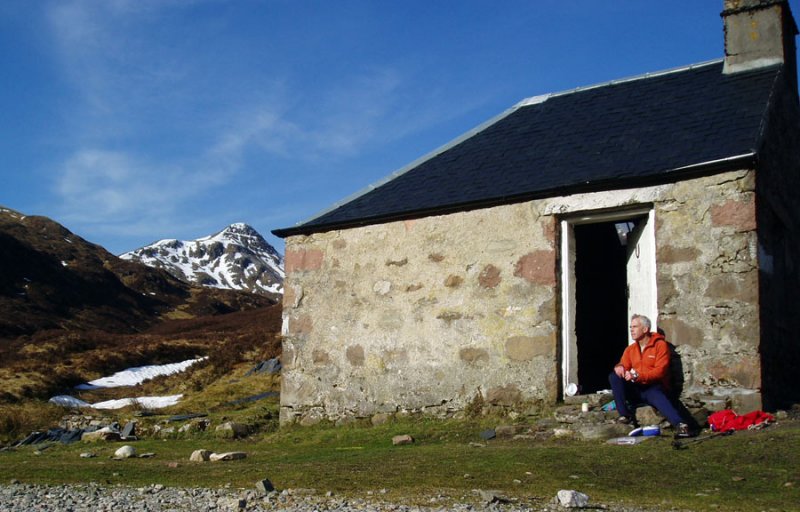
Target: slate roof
<point>650,129</point>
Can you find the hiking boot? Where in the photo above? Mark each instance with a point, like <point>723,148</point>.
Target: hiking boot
<point>682,430</point>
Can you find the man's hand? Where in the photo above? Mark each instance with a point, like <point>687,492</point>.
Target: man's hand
<point>620,371</point>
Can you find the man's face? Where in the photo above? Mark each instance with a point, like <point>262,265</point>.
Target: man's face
<point>637,331</point>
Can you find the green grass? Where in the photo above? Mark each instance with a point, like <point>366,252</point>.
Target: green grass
<point>746,471</point>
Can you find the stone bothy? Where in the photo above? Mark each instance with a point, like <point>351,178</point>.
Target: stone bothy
<point>503,267</point>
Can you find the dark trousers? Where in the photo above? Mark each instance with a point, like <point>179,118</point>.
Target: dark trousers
<point>629,392</point>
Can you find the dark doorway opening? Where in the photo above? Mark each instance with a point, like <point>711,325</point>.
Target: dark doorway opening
<point>601,298</point>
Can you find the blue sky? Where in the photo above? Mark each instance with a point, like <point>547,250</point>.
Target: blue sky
<point>130,121</point>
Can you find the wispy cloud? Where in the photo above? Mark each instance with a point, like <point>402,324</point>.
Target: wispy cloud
<point>101,184</point>
<point>163,119</point>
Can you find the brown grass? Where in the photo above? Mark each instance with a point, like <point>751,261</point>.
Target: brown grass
<point>19,420</point>
<point>52,362</point>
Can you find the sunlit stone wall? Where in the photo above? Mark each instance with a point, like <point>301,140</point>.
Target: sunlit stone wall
<point>426,315</point>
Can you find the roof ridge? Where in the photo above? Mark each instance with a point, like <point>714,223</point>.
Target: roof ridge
<point>535,100</point>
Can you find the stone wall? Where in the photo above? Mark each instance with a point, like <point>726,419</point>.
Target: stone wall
<point>708,285</point>
<point>428,314</point>
<point>421,315</point>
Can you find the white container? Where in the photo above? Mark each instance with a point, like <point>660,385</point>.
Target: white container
<point>572,389</point>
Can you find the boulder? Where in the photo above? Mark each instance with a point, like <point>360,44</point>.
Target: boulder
<point>264,486</point>
<point>125,452</point>
<point>165,433</point>
<point>572,499</point>
<point>103,434</point>
<point>547,424</point>
<point>713,403</point>
<point>402,439</point>
<point>568,414</point>
<point>508,431</point>
<point>216,457</point>
<point>232,430</point>
<point>563,433</point>
<point>380,418</point>
<point>310,419</point>
<point>590,432</point>
<point>129,432</point>
<point>490,497</point>
<point>270,367</point>
<point>486,435</point>
<point>200,456</point>
<point>647,415</point>
<point>593,399</point>
<point>196,425</point>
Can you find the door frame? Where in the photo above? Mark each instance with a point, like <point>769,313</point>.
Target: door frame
<point>569,344</point>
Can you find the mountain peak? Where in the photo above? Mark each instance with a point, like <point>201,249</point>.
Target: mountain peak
<point>240,227</point>
<point>237,257</point>
<point>53,279</point>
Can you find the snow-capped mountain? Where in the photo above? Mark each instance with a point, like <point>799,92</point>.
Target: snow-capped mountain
<point>237,257</point>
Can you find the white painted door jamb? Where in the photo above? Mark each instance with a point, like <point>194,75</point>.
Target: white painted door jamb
<point>646,294</point>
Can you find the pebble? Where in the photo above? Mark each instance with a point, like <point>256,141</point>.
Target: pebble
<point>93,497</point>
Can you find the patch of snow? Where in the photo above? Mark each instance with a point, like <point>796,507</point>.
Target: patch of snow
<point>137,375</point>
<point>146,402</point>
<point>64,263</point>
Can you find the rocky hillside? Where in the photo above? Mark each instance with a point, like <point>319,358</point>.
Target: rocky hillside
<point>236,258</point>
<point>51,278</point>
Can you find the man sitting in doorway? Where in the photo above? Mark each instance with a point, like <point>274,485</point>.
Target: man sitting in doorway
<point>642,375</point>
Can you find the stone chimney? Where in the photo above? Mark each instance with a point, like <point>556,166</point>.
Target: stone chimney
<point>759,33</point>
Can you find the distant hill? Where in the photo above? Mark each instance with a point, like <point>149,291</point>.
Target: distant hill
<point>236,258</point>
<point>51,278</point>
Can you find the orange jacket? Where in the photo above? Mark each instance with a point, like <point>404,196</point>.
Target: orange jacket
<point>652,363</point>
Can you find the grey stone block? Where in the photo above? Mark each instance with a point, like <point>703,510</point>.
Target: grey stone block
<point>264,486</point>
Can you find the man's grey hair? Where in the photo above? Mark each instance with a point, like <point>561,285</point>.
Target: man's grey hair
<point>642,320</point>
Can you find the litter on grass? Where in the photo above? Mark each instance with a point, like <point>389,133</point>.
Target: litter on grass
<point>628,440</point>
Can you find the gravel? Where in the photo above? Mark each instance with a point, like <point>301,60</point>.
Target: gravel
<point>97,498</point>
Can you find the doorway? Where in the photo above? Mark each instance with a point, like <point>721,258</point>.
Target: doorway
<point>601,302</point>
<point>608,273</point>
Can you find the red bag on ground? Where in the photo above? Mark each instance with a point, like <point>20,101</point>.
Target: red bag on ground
<point>724,421</point>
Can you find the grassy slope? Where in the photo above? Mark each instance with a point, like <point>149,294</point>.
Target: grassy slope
<point>747,471</point>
